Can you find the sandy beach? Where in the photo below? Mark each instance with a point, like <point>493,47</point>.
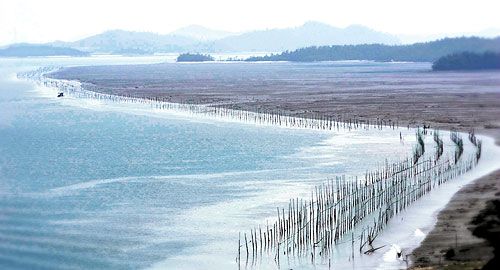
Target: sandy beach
<point>466,231</point>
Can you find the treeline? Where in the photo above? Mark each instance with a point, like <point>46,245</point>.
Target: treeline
<point>194,57</point>
<point>418,52</point>
<point>468,61</point>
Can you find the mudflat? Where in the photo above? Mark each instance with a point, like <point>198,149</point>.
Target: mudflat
<point>406,93</point>
<point>467,231</point>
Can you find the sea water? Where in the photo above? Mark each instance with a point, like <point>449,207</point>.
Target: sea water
<point>97,186</point>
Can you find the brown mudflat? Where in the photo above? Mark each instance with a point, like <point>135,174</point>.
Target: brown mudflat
<point>466,235</point>
<point>406,93</point>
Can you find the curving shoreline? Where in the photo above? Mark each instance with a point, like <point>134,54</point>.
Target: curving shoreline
<point>267,119</point>
<point>465,234</point>
<point>77,89</point>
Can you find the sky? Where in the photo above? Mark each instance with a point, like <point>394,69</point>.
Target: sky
<point>49,20</point>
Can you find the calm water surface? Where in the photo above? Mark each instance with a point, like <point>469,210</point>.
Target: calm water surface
<point>86,185</point>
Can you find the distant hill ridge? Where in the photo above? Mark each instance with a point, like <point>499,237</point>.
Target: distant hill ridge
<point>311,33</point>
<point>114,41</point>
<point>418,52</point>
<point>201,33</point>
<point>201,39</point>
<point>312,41</point>
<point>27,50</point>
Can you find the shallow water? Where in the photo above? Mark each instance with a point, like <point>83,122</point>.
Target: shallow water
<point>91,185</point>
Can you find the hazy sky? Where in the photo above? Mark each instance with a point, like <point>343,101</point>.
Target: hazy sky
<point>48,20</point>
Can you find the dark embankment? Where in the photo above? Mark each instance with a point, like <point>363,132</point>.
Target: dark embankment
<point>468,61</point>
<point>466,235</point>
<point>418,52</point>
<point>487,227</point>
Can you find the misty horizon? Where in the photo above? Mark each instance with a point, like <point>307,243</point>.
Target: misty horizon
<point>403,38</point>
<point>186,31</point>
<point>31,21</point>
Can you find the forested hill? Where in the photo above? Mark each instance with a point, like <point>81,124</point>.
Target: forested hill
<point>196,57</point>
<point>418,52</point>
<point>468,61</point>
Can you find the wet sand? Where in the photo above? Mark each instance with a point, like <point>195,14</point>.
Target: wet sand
<point>466,234</point>
<point>466,231</point>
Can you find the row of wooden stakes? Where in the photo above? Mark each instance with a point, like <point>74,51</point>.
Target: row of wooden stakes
<point>342,207</point>
<point>220,111</point>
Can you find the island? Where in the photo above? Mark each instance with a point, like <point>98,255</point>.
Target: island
<point>468,61</point>
<point>196,57</point>
<point>30,50</point>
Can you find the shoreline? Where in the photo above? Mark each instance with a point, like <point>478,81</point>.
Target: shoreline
<point>462,236</point>
<point>449,126</point>
<point>280,119</point>
<point>457,240</point>
<point>436,202</point>
<point>453,241</point>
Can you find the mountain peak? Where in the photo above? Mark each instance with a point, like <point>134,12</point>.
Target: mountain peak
<point>202,39</point>
<point>193,27</point>
<point>315,24</point>
<point>200,33</point>
<point>311,33</point>
<point>357,27</point>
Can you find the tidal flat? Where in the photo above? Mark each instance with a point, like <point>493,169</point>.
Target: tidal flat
<point>407,93</point>
<point>179,189</point>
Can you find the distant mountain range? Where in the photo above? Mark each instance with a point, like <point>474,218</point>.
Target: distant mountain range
<point>195,38</point>
<point>309,34</point>
<point>120,42</point>
<point>201,33</point>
